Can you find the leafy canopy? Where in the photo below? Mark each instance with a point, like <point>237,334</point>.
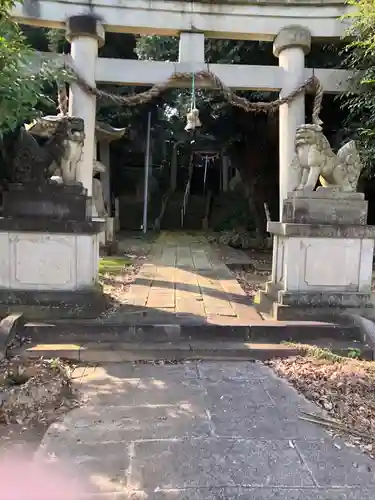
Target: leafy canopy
<point>360,57</point>
<point>21,85</point>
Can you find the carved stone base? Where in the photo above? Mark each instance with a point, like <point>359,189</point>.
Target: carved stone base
<point>318,271</point>
<point>47,201</point>
<point>50,271</point>
<point>306,264</point>
<point>52,305</point>
<point>325,206</point>
<point>314,306</point>
<point>322,257</point>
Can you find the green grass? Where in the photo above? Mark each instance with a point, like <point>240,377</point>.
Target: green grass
<point>324,353</point>
<point>113,265</point>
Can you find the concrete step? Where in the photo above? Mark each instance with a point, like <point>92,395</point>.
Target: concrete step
<point>106,352</point>
<point>262,331</point>
<point>99,342</point>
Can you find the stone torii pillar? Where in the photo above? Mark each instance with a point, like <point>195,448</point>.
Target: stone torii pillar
<point>85,34</point>
<point>291,45</point>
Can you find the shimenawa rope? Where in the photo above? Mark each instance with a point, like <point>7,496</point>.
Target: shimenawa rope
<point>144,97</point>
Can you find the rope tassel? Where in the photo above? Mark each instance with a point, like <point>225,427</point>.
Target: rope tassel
<point>192,117</point>
<point>193,120</point>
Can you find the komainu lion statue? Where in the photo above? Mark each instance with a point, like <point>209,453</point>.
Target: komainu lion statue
<point>315,160</point>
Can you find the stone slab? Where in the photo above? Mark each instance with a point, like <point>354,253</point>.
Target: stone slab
<point>141,422</point>
<point>269,306</point>
<point>239,493</point>
<point>224,372</point>
<point>264,342</point>
<point>331,468</point>
<point>321,230</point>
<point>97,331</point>
<point>223,395</point>
<point>225,462</point>
<point>324,299</point>
<point>177,352</point>
<point>52,304</point>
<point>324,211</point>
<point>129,442</point>
<point>40,225</point>
<point>83,331</point>
<point>261,423</point>
<point>327,193</point>
<point>47,201</point>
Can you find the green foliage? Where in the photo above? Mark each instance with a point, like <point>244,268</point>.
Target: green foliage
<point>360,57</point>
<point>239,52</point>
<point>56,39</point>
<point>316,352</point>
<point>157,48</point>
<point>354,353</point>
<point>21,87</point>
<point>5,6</point>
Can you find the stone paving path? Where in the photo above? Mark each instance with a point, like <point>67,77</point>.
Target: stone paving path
<point>200,431</point>
<point>184,281</point>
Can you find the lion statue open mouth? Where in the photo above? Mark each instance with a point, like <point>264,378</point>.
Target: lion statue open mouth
<point>315,160</point>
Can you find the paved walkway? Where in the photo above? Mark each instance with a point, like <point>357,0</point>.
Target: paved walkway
<point>184,281</point>
<point>200,431</point>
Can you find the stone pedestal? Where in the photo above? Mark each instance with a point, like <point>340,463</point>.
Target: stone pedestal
<point>50,268</point>
<point>322,257</point>
<point>48,201</point>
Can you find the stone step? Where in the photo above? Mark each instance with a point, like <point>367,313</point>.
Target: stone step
<point>260,340</point>
<point>106,352</point>
<point>264,331</point>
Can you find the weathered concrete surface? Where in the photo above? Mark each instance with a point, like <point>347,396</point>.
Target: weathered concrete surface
<point>252,20</point>
<point>201,431</point>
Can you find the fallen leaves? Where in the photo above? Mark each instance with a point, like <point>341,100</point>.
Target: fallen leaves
<point>239,238</point>
<point>33,392</point>
<point>250,283</point>
<point>345,390</point>
<point>252,276</point>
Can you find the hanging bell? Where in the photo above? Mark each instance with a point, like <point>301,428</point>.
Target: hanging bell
<point>193,120</point>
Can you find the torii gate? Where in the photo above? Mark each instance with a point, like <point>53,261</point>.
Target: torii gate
<point>301,272</point>
<point>290,27</point>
